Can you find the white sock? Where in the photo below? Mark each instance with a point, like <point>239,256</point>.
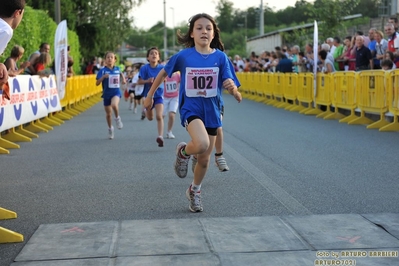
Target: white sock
<point>195,188</point>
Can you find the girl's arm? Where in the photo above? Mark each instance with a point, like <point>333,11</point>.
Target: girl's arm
<point>158,80</point>
<point>123,79</point>
<point>98,81</point>
<point>229,85</point>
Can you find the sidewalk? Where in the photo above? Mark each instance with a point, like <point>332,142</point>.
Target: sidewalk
<point>340,239</point>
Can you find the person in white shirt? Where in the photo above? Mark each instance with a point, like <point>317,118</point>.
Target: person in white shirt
<point>11,13</point>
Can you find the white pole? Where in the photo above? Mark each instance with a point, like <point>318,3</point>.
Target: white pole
<point>173,32</point>
<point>57,7</point>
<point>165,36</point>
<point>261,22</point>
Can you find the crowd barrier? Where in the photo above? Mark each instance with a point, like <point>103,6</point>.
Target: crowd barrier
<point>34,107</point>
<point>350,97</point>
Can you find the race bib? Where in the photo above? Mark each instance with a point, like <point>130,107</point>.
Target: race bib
<point>202,82</point>
<point>171,86</point>
<point>113,81</point>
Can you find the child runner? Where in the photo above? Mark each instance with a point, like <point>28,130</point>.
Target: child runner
<point>171,101</point>
<point>109,76</point>
<point>138,91</point>
<point>205,70</point>
<point>130,86</point>
<point>147,75</point>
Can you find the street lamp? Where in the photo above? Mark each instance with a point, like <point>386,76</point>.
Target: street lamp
<point>173,31</point>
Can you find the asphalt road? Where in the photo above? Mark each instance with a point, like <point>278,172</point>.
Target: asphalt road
<point>281,163</point>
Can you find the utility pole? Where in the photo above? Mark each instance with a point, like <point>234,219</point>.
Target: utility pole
<point>261,22</point>
<point>165,36</point>
<point>57,6</point>
<point>173,31</point>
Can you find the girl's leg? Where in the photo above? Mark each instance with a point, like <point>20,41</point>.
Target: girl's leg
<point>171,121</point>
<point>108,115</point>
<point>203,162</point>
<point>115,108</point>
<point>158,115</point>
<point>219,159</point>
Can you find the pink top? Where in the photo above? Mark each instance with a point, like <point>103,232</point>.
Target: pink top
<point>171,88</point>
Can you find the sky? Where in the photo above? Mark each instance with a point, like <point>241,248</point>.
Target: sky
<point>177,11</point>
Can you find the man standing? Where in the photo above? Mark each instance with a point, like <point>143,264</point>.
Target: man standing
<point>364,60</point>
<point>393,42</point>
<point>44,48</point>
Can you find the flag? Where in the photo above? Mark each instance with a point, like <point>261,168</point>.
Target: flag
<point>315,56</point>
<point>61,57</point>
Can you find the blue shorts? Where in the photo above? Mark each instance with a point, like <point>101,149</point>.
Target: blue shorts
<point>158,100</point>
<point>107,101</point>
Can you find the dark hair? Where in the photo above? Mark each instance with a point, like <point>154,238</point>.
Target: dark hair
<point>153,48</point>
<point>277,48</point>
<point>337,39</point>
<point>323,54</point>
<point>395,19</point>
<point>348,38</point>
<point>301,53</point>
<point>8,7</point>
<point>387,62</point>
<point>390,54</point>
<point>42,45</point>
<point>359,32</point>
<point>187,41</point>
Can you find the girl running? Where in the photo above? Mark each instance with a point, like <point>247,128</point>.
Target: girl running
<point>171,101</point>
<point>205,70</point>
<point>109,76</point>
<point>147,75</point>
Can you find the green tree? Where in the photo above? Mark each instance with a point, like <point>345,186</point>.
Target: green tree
<point>224,18</point>
<point>331,13</point>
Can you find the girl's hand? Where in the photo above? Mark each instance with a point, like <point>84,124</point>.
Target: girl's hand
<point>148,102</point>
<point>237,96</point>
<point>105,76</point>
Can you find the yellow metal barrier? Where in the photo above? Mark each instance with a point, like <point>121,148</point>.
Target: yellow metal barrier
<point>7,236</point>
<point>278,92</point>
<point>371,98</point>
<point>324,84</point>
<point>268,81</point>
<point>259,86</point>
<point>243,78</point>
<point>290,91</point>
<point>392,89</point>
<point>305,92</point>
<point>345,93</point>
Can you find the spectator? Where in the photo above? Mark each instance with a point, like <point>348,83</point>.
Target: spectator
<point>309,56</point>
<point>70,72</point>
<point>327,64</point>
<point>11,63</point>
<point>372,43</point>
<point>302,62</point>
<point>33,58</point>
<point>387,64</point>
<point>381,46</point>
<point>11,14</point>
<point>326,48</point>
<point>366,39</point>
<point>284,64</point>
<point>238,61</point>
<point>273,62</point>
<point>41,65</point>
<point>330,42</point>
<point>295,58</point>
<point>395,22</point>
<point>364,60</point>
<point>337,51</point>
<point>348,55</point>
<point>393,42</point>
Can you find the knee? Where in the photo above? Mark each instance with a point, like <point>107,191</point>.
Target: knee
<point>202,146</point>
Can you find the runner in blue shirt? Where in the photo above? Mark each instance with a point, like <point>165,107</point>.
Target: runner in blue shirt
<point>205,70</point>
<point>110,76</point>
<point>147,75</point>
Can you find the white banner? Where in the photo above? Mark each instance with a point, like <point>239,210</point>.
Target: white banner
<point>315,56</point>
<point>61,56</point>
<point>31,98</point>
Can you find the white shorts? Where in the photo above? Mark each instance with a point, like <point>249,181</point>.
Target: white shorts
<point>170,105</point>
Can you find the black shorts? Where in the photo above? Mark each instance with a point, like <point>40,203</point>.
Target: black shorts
<point>212,131</point>
<point>138,97</point>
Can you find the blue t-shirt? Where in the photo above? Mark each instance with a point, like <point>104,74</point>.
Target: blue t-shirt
<point>147,72</point>
<point>201,84</point>
<point>111,85</point>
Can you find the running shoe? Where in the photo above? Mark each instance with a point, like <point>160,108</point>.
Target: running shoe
<point>181,163</point>
<point>111,132</point>
<point>170,135</point>
<point>195,200</point>
<point>119,123</point>
<point>160,141</point>
<point>142,115</point>
<point>135,110</point>
<point>221,164</point>
<point>193,163</point>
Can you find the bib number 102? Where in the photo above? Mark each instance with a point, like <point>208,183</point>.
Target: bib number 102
<point>201,82</point>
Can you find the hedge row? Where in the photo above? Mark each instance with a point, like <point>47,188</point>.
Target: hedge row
<point>35,28</point>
